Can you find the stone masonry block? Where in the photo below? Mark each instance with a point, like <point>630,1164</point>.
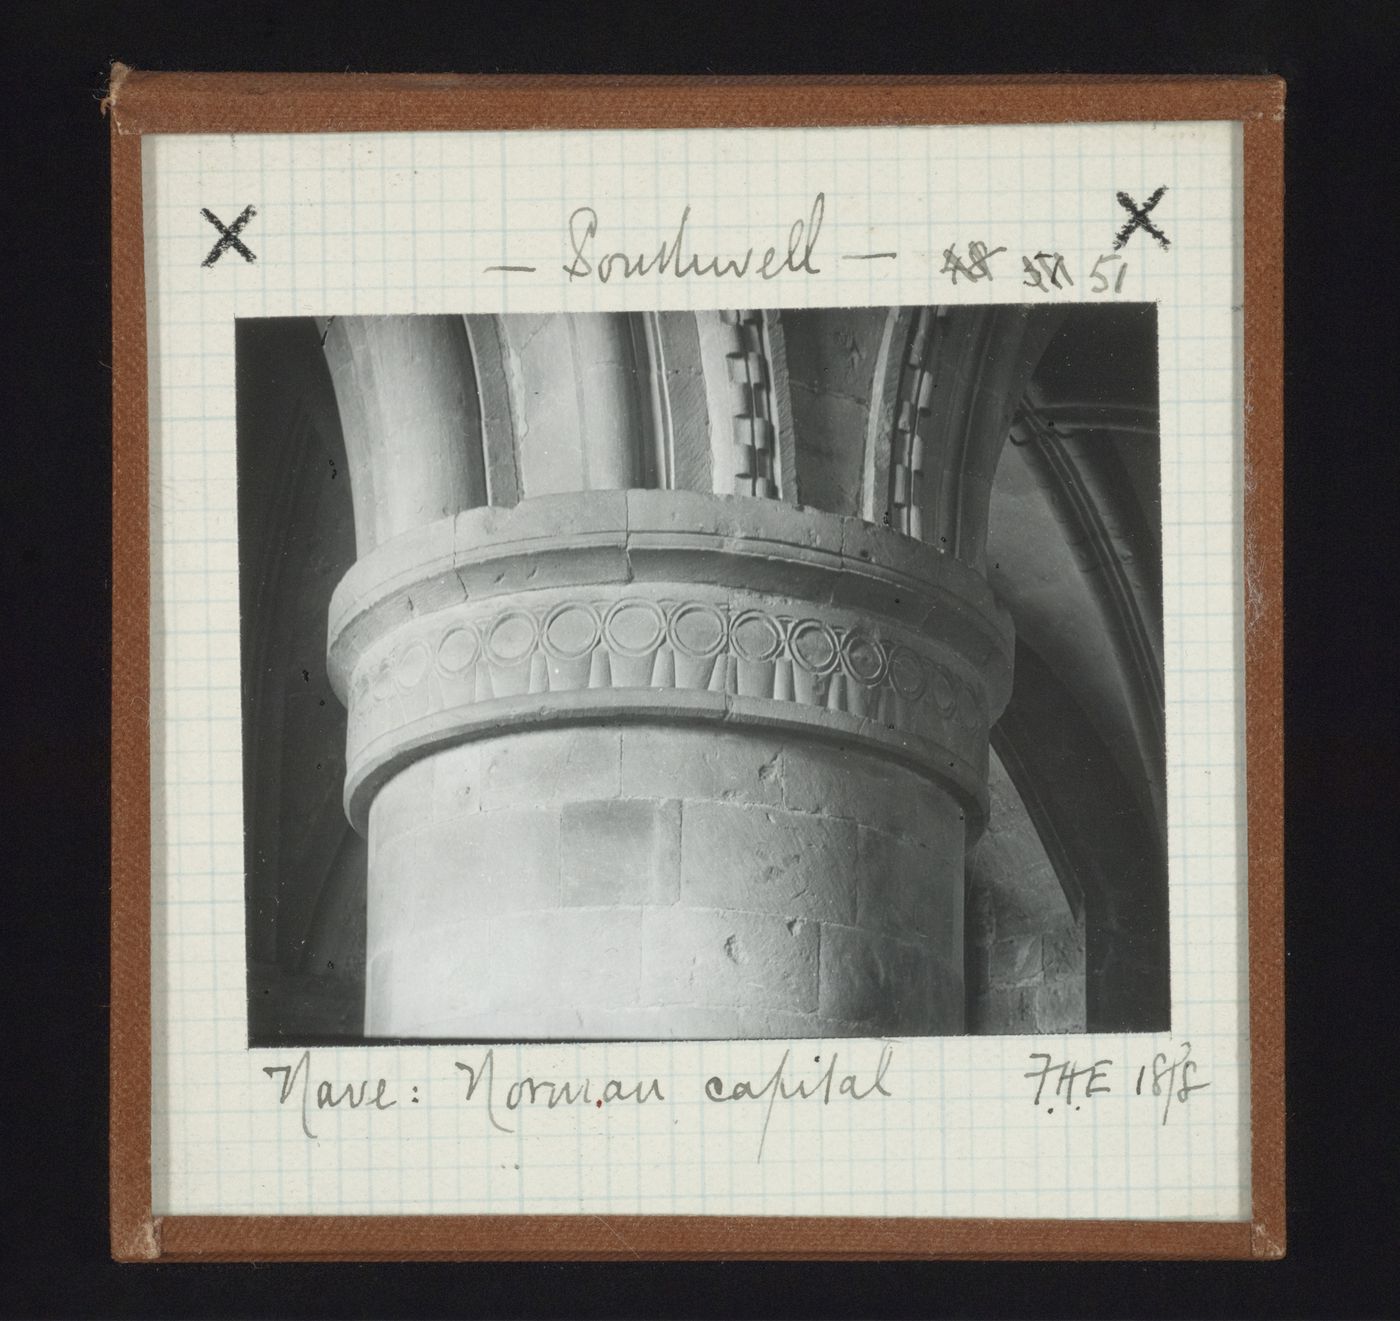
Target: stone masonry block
<point>869,978</point>
<point>620,851</point>
<point>580,1022</point>
<point>550,766</point>
<point>902,888</point>
<point>1064,952</point>
<point>398,806</point>
<point>848,783</point>
<point>762,859</point>
<point>449,966</point>
<point>389,893</point>
<point>485,863</point>
<point>1060,1005</point>
<point>696,956</point>
<point>713,765</point>
<point>580,956</point>
<point>1014,962</point>
<point>1006,1011</point>
<point>760,520</point>
<point>457,780</point>
<point>657,1023</point>
<point>549,517</point>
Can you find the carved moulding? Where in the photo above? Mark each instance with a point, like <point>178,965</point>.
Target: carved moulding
<point>666,606</point>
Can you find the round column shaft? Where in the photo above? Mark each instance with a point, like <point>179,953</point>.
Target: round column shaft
<point>650,764</point>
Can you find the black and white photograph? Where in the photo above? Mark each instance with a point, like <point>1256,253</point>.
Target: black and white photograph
<point>711,669</point>
<point>703,675</point>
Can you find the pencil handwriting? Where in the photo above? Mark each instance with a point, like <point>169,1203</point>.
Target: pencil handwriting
<point>330,1095</point>
<point>779,1085</point>
<point>549,1092</point>
<point>1069,1085</point>
<point>677,256</point>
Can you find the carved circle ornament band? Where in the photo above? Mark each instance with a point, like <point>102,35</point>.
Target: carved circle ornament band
<point>634,627</point>
<point>698,631</point>
<point>569,632</point>
<point>804,627</point>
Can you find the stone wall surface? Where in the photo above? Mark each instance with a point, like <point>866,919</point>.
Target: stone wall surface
<point>1025,945</point>
<point>1022,978</point>
<point>665,764</point>
<point>662,881</point>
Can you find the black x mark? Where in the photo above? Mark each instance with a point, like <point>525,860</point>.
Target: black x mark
<point>1140,220</point>
<point>229,235</point>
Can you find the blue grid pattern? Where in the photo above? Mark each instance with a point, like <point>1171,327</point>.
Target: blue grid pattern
<point>402,223</point>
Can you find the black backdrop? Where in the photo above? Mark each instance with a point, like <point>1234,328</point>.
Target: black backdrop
<point>1341,406</point>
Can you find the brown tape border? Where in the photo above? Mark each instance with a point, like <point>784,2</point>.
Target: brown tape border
<point>140,103</point>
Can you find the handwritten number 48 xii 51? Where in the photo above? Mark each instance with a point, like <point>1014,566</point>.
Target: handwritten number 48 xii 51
<point>1041,271</point>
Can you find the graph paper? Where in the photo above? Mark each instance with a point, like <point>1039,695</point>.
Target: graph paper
<point>371,224</point>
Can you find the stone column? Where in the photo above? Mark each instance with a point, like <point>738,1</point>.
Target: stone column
<point>407,396</point>
<point>663,763</point>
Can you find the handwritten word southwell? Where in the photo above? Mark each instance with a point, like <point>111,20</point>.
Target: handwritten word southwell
<point>676,256</point>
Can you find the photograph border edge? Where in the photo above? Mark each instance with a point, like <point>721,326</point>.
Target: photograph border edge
<point>139,103</point>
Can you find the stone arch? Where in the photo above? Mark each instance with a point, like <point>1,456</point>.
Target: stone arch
<point>411,419</point>
<point>950,381</point>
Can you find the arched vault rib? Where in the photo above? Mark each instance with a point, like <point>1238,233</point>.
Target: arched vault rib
<point>1102,845</point>
<point>1071,557</point>
<point>947,384</point>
